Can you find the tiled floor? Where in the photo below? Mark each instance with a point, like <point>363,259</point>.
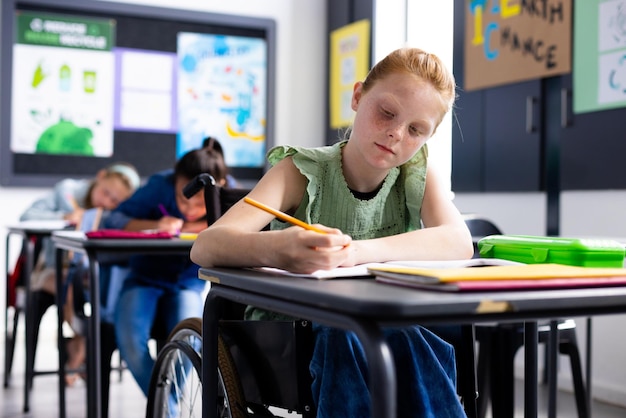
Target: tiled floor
<point>127,401</point>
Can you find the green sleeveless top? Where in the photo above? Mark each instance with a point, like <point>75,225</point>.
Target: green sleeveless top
<point>393,210</point>
<point>328,201</point>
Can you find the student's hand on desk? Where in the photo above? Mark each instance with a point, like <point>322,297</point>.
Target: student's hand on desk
<point>75,217</point>
<point>170,224</point>
<point>304,251</point>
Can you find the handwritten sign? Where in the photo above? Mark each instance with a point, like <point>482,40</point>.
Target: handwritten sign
<point>507,41</point>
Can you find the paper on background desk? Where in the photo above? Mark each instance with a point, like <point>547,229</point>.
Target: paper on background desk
<point>51,224</point>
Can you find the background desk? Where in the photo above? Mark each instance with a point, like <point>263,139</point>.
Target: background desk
<point>96,250</point>
<point>31,233</point>
<point>365,306</point>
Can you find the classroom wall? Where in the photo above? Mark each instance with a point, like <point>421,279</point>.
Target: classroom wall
<point>300,120</point>
<point>300,77</point>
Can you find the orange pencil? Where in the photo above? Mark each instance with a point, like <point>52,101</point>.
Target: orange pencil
<point>282,215</point>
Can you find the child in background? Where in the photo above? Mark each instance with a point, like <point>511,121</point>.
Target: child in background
<point>378,199</point>
<point>168,284</point>
<point>212,143</point>
<point>68,201</point>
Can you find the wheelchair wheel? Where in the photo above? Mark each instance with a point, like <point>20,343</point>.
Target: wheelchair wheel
<point>176,383</point>
<point>190,331</point>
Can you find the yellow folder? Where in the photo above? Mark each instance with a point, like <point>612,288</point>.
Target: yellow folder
<point>511,272</point>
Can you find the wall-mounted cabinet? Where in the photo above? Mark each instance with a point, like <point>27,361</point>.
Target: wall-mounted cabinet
<point>496,144</point>
<point>592,145</point>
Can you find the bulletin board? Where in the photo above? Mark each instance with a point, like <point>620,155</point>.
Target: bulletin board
<point>87,83</point>
<point>513,41</point>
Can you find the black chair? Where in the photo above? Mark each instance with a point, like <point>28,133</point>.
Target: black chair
<point>498,345</point>
<point>271,358</point>
<point>39,302</point>
<point>15,283</point>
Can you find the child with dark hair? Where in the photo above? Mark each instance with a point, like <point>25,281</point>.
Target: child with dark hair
<point>211,142</point>
<point>169,283</point>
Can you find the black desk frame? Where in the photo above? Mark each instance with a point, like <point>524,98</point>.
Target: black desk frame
<point>95,249</point>
<point>289,296</point>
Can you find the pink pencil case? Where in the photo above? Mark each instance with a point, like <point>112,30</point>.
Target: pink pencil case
<point>121,234</point>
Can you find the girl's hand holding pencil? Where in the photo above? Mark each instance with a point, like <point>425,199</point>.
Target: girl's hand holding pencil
<point>282,215</point>
<point>76,215</point>
<point>169,223</point>
<point>295,221</point>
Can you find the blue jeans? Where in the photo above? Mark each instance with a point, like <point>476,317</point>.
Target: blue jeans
<point>135,315</point>
<point>425,373</point>
<point>112,277</point>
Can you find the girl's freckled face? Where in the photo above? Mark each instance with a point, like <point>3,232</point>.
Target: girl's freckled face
<point>395,118</point>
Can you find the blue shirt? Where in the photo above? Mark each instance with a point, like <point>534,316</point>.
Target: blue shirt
<point>169,272</point>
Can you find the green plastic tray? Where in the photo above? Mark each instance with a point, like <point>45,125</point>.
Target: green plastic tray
<point>542,249</point>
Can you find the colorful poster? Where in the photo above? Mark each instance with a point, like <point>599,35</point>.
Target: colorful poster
<point>508,41</point>
<point>349,63</point>
<point>62,100</point>
<point>599,75</point>
<point>222,92</point>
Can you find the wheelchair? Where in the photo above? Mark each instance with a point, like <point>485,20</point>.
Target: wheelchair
<point>262,365</point>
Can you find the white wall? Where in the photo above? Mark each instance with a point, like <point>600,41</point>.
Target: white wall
<point>300,110</point>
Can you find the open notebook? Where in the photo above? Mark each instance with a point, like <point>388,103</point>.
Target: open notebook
<point>479,274</point>
<point>364,270</point>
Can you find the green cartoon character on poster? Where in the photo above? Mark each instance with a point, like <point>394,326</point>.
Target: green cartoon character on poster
<point>66,138</point>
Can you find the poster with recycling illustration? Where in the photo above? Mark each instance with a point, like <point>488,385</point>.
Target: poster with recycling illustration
<point>63,85</point>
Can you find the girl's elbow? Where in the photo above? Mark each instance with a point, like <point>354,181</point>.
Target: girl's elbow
<point>468,250</point>
<point>466,244</point>
<point>199,256</point>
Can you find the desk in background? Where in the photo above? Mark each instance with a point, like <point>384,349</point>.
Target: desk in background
<point>97,250</point>
<point>31,234</point>
<point>365,306</point>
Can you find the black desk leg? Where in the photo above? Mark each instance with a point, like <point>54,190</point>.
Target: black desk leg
<point>93,342</point>
<point>29,325</point>
<point>59,299</point>
<point>530,369</point>
<point>9,341</point>
<point>10,331</point>
<point>382,370</point>
<point>210,321</point>
<point>588,366</point>
<point>551,361</point>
